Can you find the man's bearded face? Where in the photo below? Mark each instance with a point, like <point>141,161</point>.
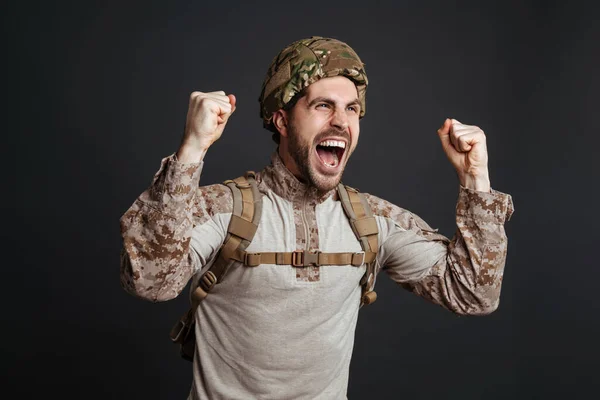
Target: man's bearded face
<point>323,131</point>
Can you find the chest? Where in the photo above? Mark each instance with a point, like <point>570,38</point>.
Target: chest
<point>303,225</point>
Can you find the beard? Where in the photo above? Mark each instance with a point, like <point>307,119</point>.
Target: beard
<point>301,151</point>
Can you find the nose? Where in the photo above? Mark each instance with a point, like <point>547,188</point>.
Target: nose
<point>339,119</point>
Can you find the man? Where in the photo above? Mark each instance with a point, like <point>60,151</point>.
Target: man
<point>283,331</point>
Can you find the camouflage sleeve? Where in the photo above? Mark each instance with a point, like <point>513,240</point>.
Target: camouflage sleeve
<point>169,232</point>
<point>464,274</point>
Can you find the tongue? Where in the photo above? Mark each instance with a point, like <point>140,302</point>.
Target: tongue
<point>327,156</point>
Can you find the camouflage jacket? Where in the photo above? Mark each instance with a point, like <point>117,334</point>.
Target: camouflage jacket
<point>285,332</point>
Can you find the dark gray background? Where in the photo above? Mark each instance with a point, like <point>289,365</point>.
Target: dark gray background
<point>96,94</point>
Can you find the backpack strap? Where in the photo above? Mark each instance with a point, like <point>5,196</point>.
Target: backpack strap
<point>246,214</point>
<point>300,258</point>
<point>364,226</point>
<point>247,210</point>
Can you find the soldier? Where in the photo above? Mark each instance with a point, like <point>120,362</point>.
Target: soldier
<point>289,254</point>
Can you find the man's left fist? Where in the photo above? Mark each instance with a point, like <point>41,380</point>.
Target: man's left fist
<point>467,151</point>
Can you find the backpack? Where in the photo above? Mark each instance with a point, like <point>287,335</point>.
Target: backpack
<point>247,209</point>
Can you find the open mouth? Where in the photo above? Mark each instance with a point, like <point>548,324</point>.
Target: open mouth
<point>330,152</point>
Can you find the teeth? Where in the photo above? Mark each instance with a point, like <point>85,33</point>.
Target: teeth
<point>333,143</point>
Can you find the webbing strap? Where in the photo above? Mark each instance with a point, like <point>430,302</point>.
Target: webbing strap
<point>364,225</point>
<point>303,258</point>
<point>365,228</point>
<point>247,209</point>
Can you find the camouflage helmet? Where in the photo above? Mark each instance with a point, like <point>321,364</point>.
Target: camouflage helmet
<point>303,63</point>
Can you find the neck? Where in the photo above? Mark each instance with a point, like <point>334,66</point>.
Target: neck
<point>289,161</point>
<point>280,179</point>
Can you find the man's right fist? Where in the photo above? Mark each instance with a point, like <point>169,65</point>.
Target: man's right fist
<point>206,118</point>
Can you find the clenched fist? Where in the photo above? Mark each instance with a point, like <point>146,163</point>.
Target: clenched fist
<point>206,118</point>
<point>467,151</point>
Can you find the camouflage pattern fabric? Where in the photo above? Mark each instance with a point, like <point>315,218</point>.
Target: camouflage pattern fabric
<point>305,62</point>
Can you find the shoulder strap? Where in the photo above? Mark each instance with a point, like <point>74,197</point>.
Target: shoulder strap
<point>247,210</point>
<point>364,226</point>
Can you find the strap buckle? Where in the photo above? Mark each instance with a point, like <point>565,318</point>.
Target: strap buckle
<point>297,259</point>
<point>207,281</point>
<point>252,259</point>
<point>305,258</point>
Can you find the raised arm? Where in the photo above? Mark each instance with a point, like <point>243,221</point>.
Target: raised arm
<point>174,227</point>
<point>464,274</point>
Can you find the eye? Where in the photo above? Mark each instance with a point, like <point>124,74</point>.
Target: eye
<point>353,108</point>
<point>322,105</point>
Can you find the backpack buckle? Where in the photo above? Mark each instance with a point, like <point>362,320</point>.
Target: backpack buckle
<point>252,259</point>
<point>305,258</point>
<point>297,258</point>
<point>207,281</point>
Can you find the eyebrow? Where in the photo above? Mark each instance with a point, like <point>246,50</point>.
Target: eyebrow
<point>331,102</point>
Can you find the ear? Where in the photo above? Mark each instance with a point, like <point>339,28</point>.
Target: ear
<point>280,121</point>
